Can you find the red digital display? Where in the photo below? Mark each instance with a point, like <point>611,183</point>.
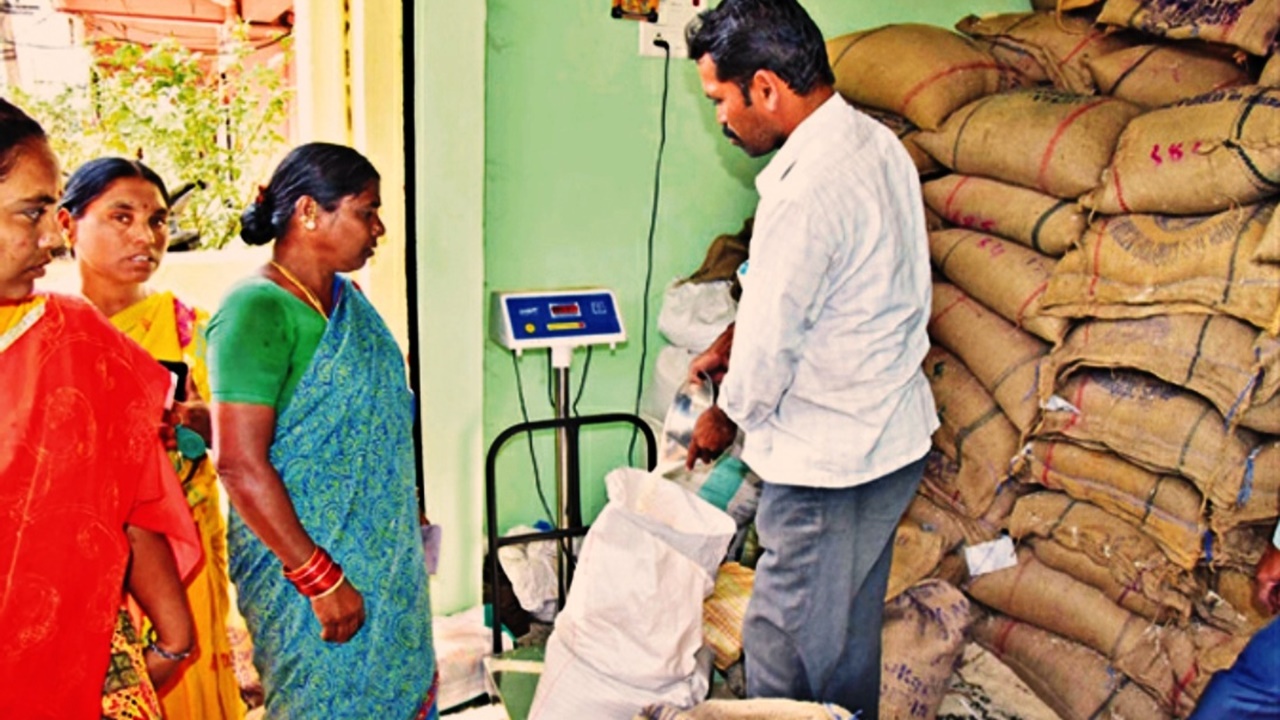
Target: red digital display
<point>565,310</point>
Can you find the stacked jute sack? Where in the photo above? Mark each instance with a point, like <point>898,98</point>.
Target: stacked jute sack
<point>1106,300</point>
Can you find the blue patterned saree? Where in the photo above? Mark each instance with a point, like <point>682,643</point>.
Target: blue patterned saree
<point>343,447</point>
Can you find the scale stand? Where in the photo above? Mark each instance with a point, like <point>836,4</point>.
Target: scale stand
<point>560,321</point>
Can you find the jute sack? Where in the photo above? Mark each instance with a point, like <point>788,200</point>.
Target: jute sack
<point>1022,64</point>
<point>1269,247</point>
<point>1235,603</point>
<point>1201,155</point>
<point>923,636</point>
<point>938,488</point>
<point>916,553</point>
<point>1077,682</point>
<point>1239,548</point>
<point>918,71</point>
<point>1259,497</point>
<point>1249,24</point>
<point>973,430</point>
<point>933,221</point>
<point>1167,508</point>
<point>1229,363</point>
<point>1156,75</point>
<point>1173,664</point>
<point>1055,142</point>
<point>1061,43</point>
<point>1041,222</point>
<point>1003,358</point>
<point>1062,5</point>
<point>906,132</point>
<point>1006,277</point>
<point>1270,76</point>
<point>1106,552</point>
<point>1171,607</point>
<point>948,525</point>
<point>1154,424</point>
<point>1142,265</point>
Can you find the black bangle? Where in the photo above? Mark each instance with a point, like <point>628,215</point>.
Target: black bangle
<point>153,647</point>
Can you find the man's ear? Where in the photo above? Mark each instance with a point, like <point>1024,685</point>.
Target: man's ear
<point>65,221</point>
<point>767,88</point>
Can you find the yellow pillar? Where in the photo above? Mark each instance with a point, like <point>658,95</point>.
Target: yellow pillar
<point>377,127</point>
<point>322,103</point>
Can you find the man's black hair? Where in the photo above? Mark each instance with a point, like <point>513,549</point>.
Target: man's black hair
<point>743,36</point>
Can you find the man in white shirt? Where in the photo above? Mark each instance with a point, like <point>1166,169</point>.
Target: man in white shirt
<point>825,379</point>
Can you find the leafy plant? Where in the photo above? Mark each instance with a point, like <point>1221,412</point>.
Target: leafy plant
<point>194,118</point>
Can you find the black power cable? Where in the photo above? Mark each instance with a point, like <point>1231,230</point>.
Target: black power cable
<point>533,456</point>
<point>653,222</point>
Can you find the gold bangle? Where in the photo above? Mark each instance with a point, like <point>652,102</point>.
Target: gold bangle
<point>331,590</point>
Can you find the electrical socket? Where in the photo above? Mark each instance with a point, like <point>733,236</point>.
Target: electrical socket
<point>650,32</point>
<point>673,16</point>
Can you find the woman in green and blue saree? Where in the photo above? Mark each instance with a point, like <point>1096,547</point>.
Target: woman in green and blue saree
<point>312,418</point>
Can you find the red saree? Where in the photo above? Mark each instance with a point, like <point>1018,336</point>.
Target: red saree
<point>80,458</point>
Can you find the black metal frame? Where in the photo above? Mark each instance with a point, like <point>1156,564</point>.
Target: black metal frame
<point>574,505</point>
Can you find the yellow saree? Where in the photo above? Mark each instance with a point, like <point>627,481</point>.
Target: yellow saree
<point>207,688</point>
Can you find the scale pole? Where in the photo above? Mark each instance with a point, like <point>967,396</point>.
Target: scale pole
<point>560,358</point>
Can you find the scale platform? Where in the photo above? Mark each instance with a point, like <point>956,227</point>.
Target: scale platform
<point>514,677</point>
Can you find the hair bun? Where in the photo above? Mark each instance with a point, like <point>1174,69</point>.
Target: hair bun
<point>255,225</point>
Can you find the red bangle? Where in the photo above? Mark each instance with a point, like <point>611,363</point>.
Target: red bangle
<point>307,566</point>
<point>318,575</point>
<point>313,571</point>
<point>322,584</point>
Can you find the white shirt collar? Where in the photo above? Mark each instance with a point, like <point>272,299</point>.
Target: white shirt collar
<point>815,126</point>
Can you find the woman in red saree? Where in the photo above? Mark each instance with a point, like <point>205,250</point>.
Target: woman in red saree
<point>91,504</point>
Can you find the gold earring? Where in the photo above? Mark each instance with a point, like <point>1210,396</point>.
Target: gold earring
<point>309,223</point>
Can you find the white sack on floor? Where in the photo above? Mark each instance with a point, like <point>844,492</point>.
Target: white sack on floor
<point>694,314</point>
<point>531,567</point>
<point>462,641</point>
<point>631,628</point>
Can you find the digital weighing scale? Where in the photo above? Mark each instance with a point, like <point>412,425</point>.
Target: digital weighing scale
<point>558,321</point>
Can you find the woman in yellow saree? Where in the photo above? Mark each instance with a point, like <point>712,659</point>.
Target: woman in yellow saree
<point>115,214</point>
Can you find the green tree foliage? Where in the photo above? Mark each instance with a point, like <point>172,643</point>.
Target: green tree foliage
<point>193,118</point>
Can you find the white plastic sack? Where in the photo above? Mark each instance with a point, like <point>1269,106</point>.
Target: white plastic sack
<point>462,641</point>
<point>631,628</point>
<point>531,568</point>
<point>694,314</point>
<point>669,373</point>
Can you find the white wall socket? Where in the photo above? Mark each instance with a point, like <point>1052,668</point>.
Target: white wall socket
<point>673,16</point>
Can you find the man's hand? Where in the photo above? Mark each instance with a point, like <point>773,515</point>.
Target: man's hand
<point>1268,575</point>
<point>713,363</point>
<point>341,613</point>
<point>712,433</point>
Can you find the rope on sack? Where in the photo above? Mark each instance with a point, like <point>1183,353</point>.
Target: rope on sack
<point>1246,488</point>
<point>1238,405</point>
<point>1115,692</point>
<point>1151,499</point>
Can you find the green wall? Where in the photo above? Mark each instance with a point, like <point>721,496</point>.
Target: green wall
<point>572,130</point>
<point>570,136</point>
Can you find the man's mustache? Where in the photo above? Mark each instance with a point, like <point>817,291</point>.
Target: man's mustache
<point>729,133</point>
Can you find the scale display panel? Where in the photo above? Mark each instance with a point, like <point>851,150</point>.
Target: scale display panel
<point>528,320</point>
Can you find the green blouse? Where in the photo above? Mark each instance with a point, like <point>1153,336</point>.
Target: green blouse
<point>261,341</point>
